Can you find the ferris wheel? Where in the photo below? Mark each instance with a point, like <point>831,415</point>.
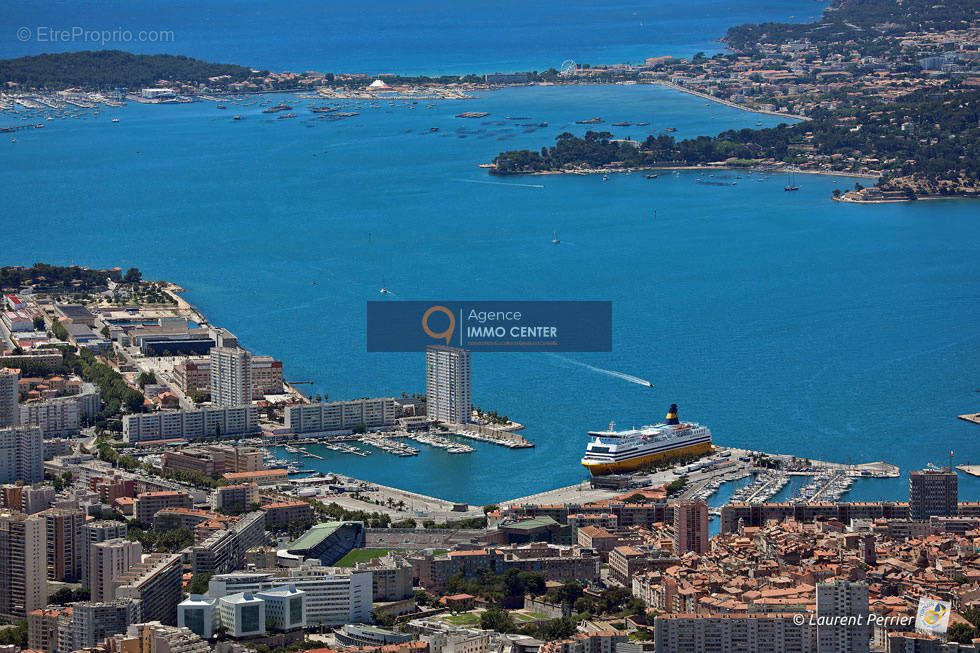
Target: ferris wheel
<point>568,67</point>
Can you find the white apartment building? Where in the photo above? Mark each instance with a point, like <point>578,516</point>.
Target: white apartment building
<point>735,633</point>
<point>9,414</point>
<point>844,606</point>
<point>23,565</point>
<point>107,562</point>
<point>333,595</point>
<point>21,454</point>
<point>231,377</point>
<point>190,424</point>
<point>447,384</point>
<point>93,532</point>
<point>340,415</point>
<point>56,417</point>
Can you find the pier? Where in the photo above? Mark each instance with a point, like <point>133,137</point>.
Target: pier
<point>15,128</point>
<point>437,441</point>
<point>310,454</point>
<point>825,487</point>
<point>389,445</point>
<point>493,436</point>
<point>765,487</point>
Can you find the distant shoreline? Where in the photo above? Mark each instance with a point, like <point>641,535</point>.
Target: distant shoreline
<point>727,103</point>
<point>918,198</point>
<point>606,171</point>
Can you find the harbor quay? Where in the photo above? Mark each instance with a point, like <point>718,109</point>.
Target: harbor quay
<point>412,504</point>
<point>697,480</point>
<point>364,494</point>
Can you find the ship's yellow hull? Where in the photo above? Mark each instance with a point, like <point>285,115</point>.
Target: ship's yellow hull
<point>598,469</point>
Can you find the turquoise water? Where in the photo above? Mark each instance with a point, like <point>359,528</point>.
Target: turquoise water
<point>389,36</point>
<point>784,321</point>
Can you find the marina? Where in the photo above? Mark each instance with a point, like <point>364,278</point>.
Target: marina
<point>439,442</point>
<point>764,487</point>
<point>390,445</point>
<point>826,486</point>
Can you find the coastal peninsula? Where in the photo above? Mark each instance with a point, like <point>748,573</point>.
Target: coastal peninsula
<point>878,99</point>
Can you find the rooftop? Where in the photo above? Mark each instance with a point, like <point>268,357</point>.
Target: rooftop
<point>241,597</point>
<point>316,535</point>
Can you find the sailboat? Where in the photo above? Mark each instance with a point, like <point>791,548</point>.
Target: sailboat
<point>790,183</point>
<point>384,289</point>
<point>554,238</point>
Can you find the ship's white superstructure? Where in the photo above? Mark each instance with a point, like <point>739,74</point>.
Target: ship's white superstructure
<point>614,451</point>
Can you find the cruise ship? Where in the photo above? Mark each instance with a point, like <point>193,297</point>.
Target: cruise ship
<point>611,452</point>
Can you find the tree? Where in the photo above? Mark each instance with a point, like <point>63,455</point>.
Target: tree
<point>199,583</point>
<point>570,592</point>
<point>385,620</point>
<point>490,508</point>
<point>493,618</point>
<point>38,323</point>
<point>133,275</point>
<point>557,629</point>
<point>146,538</point>
<point>146,378</point>
<point>633,607</point>
<point>405,523</point>
<point>59,330</point>
<point>961,633</point>
<point>676,485</point>
<point>175,539</point>
<point>972,615</point>
<point>583,604</point>
<point>16,635</point>
<point>534,582</point>
<point>67,595</point>
<point>107,69</point>
<point>614,597</point>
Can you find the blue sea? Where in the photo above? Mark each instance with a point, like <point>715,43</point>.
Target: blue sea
<point>784,321</point>
<point>388,36</point>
